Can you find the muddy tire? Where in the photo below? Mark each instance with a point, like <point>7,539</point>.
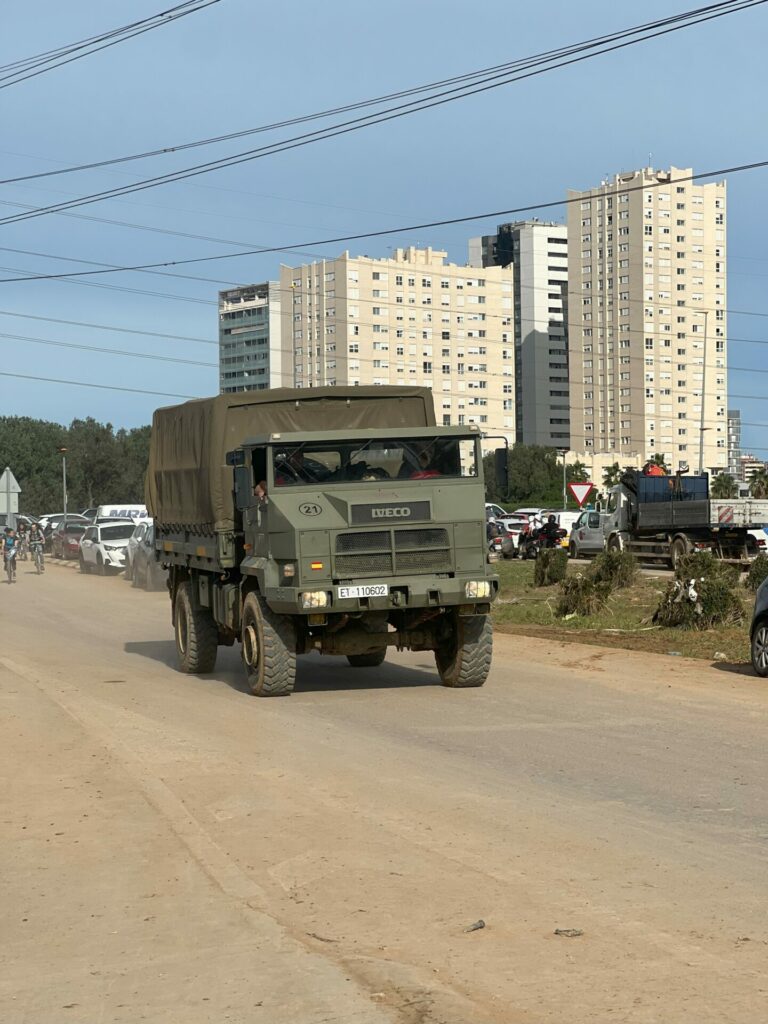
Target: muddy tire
<point>269,649</point>
<point>372,660</point>
<point>196,634</point>
<point>677,550</point>
<point>614,543</point>
<point>465,657</point>
<point>84,566</point>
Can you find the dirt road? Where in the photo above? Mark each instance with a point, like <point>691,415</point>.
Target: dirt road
<point>177,851</point>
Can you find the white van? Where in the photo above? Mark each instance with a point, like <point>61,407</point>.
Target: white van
<point>127,511</point>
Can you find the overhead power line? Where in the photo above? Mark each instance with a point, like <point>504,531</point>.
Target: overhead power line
<point>375,101</point>
<point>108,327</point>
<point>30,67</point>
<point>108,351</point>
<point>101,387</point>
<point>358,236</point>
<point>523,69</point>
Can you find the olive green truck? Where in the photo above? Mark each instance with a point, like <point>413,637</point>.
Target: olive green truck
<point>340,520</point>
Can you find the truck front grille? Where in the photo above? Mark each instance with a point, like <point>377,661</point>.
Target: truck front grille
<point>389,552</point>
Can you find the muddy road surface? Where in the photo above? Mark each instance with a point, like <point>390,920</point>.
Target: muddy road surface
<point>177,851</point>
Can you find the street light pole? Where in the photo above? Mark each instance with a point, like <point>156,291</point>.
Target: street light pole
<point>702,428</point>
<point>564,453</point>
<point>63,454</point>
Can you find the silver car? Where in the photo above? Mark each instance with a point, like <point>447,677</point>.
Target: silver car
<point>586,535</point>
<point>759,631</point>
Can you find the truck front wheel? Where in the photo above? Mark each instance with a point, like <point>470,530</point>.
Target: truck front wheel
<point>464,656</point>
<point>269,649</point>
<point>196,634</point>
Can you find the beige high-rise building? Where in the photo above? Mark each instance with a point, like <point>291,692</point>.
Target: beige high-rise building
<point>410,319</point>
<point>647,330</point>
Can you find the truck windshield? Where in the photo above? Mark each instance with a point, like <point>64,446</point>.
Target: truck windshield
<point>374,461</point>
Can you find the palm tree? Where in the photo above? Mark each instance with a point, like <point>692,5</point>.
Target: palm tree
<point>758,485</point>
<point>659,460</point>
<point>611,475</point>
<point>724,486</point>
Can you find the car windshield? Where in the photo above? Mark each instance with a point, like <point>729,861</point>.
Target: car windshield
<point>374,461</point>
<point>116,532</point>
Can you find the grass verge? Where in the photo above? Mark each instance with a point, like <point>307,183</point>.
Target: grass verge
<point>624,622</point>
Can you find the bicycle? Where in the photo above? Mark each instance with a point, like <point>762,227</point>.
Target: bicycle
<point>37,550</point>
<point>23,547</point>
<point>10,566</point>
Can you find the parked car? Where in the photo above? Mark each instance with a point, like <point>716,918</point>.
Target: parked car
<point>50,522</point>
<point>89,513</point>
<point>586,535</point>
<point>65,543</point>
<point>133,543</point>
<point>146,571</point>
<point>102,548</point>
<point>494,511</point>
<point>759,631</point>
<point>515,527</point>
<point>761,540</point>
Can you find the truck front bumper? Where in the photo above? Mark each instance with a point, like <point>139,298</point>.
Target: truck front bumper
<point>404,593</point>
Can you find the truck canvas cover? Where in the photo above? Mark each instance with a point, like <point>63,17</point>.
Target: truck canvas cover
<point>188,481</point>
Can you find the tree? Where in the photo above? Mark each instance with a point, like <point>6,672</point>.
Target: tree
<point>612,475</point>
<point>659,460</point>
<point>535,476</point>
<point>758,485</point>
<point>724,486</point>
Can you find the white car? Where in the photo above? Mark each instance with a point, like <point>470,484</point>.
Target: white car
<point>102,548</point>
<point>137,538</point>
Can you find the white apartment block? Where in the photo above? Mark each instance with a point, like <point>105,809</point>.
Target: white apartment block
<point>250,348</point>
<point>538,252</point>
<point>647,327</point>
<point>409,319</point>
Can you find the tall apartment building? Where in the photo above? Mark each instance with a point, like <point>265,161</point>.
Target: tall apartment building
<point>409,319</point>
<point>647,331</point>
<point>538,252</point>
<point>734,441</point>
<point>250,345</point>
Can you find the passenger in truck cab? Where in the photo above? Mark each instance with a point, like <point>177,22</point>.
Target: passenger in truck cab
<point>260,492</point>
<point>425,464</point>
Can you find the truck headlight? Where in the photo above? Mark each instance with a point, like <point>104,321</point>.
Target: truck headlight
<point>314,599</point>
<point>477,588</point>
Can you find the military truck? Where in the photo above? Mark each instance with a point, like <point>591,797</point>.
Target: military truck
<point>662,518</point>
<point>340,520</point>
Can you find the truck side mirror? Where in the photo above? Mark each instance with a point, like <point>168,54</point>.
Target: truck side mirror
<point>244,497</point>
<point>501,467</point>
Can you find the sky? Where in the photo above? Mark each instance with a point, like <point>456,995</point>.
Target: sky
<point>691,99</point>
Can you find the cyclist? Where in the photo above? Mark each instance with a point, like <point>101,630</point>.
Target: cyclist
<point>37,543</point>
<point>10,549</point>
<point>23,542</point>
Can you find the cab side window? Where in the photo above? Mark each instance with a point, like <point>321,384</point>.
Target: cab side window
<point>594,520</point>
<point>613,503</point>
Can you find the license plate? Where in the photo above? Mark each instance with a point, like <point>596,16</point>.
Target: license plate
<point>367,590</point>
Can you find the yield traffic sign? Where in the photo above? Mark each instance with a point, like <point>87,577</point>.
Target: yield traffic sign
<point>581,492</point>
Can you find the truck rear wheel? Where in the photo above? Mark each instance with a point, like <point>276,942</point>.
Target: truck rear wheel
<point>196,634</point>
<point>372,660</point>
<point>677,550</point>
<point>464,658</point>
<point>269,649</point>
